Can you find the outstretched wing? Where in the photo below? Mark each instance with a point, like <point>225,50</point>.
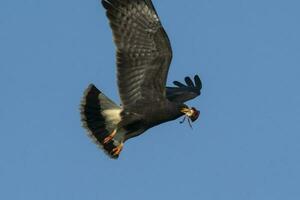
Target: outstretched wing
<point>182,92</point>
<point>143,50</point>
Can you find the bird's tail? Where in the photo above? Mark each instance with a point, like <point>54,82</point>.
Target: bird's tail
<point>100,116</point>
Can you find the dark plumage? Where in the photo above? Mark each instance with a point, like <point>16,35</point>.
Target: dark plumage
<point>143,58</point>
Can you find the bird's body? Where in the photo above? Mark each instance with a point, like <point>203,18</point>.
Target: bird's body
<point>143,57</point>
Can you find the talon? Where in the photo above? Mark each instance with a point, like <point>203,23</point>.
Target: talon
<point>110,137</point>
<point>117,150</point>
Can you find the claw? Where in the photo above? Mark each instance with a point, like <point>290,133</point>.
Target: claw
<point>110,137</point>
<point>117,150</point>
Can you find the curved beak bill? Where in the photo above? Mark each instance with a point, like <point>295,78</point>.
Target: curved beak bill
<point>192,113</point>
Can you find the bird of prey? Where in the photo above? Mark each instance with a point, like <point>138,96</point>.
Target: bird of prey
<point>143,54</point>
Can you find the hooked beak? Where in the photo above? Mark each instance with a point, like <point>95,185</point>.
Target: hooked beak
<point>192,113</point>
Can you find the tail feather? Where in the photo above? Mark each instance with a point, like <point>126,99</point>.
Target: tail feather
<point>100,116</point>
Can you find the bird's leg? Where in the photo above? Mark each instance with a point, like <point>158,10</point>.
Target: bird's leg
<point>117,150</point>
<point>110,137</point>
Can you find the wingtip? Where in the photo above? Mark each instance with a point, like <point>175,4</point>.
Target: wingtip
<point>189,81</point>
<point>177,83</point>
<point>198,81</point>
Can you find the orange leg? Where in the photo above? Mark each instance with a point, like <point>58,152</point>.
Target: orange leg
<point>117,150</point>
<point>110,137</point>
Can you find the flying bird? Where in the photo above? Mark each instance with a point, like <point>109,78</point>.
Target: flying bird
<point>143,54</point>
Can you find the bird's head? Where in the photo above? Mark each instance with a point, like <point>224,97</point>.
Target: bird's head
<point>191,113</point>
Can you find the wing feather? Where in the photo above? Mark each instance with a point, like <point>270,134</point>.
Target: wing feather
<point>183,92</point>
<point>143,50</point>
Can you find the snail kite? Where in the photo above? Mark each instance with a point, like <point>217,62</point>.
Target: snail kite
<point>143,57</point>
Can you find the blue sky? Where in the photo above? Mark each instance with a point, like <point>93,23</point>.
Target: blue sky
<point>245,144</point>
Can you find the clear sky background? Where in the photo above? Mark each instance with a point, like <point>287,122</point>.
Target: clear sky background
<point>244,146</point>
